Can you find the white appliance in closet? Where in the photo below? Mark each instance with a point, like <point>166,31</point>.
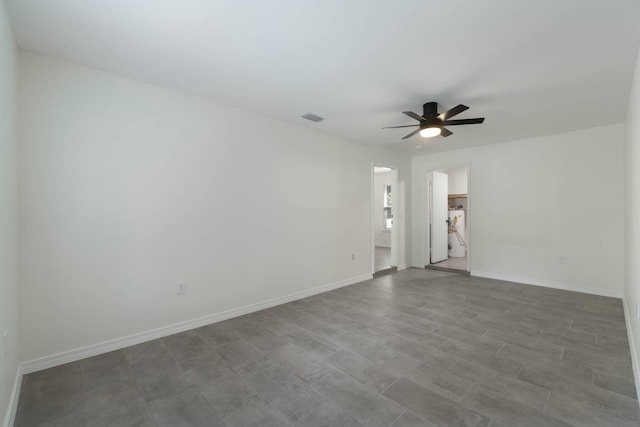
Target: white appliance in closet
<point>457,243</point>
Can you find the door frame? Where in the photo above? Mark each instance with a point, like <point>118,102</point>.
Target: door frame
<point>394,212</point>
<point>468,215</point>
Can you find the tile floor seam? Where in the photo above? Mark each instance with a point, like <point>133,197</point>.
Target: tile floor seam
<point>324,376</point>
<point>398,417</point>
<point>544,409</point>
<point>354,416</point>
<point>390,385</point>
<point>467,391</point>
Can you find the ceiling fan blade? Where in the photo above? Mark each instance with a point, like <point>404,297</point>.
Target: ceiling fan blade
<point>413,115</point>
<point>411,134</point>
<point>446,132</point>
<point>453,112</point>
<point>463,122</point>
<point>394,127</point>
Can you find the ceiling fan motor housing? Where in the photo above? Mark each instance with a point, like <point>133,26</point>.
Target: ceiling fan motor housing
<point>430,110</point>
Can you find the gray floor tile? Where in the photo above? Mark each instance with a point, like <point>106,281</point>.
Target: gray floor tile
<point>363,370</point>
<point>524,346</point>
<point>130,419</point>
<point>76,419</point>
<point>305,366</point>
<point>508,412</point>
<point>522,391</point>
<point>218,333</point>
<point>262,339</point>
<point>228,392</point>
<point>51,394</point>
<point>580,414</point>
<point>288,312</point>
<point>409,419</point>
<point>256,414</point>
<point>319,327</point>
<point>239,352</point>
<point>105,369</point>
<point>620,384</point>
<point>112,400</point>
<point>188,348</point>
<point>163,385</point>
<point>310,343</point>
<point>369,407</point>
<point>432,406</point>
<point>189,409</point>
<point>140,353</point>
<point>562,368</point>
<point>285,392</point>
<point>498,363</point>
<point>481,341</point>
<point>426,354</point>
<point>619,405</point>
<point>420,335</point>
<point>415,348</point>
<point>600,362</point>
<point>328,415</point>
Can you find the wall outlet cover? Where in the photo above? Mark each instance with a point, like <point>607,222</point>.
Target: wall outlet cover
<point>181,289</point>
<point>5,344</point>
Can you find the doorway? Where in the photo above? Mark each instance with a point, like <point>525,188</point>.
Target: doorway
<point>449,219</point>
<point>383,212</point>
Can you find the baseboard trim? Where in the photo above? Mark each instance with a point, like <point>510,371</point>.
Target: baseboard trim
<point>12,407</point>
<point>118,343</point>
<point>632,345</point>
<point>547,284</point>
<point>402,267</point>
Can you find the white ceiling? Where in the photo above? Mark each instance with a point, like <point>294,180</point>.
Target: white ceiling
<point>531,67</point>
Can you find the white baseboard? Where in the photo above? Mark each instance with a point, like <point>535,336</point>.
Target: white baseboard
<point>547,284</point>
<point>402,267</point>
<point>118,343</point>
<point>12,407</point>
<point>632,346</point>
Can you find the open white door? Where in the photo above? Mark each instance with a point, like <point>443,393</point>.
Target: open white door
<point>439,216</point>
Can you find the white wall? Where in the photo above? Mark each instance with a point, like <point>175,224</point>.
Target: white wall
<point>8,212</point>
<point>380,181</point>
<point>632,213</point>
<point>457,178</point>
<point>128,189</point>
<point>536,199</point>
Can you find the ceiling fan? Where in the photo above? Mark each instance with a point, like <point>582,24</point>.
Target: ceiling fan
<point>432,124</point>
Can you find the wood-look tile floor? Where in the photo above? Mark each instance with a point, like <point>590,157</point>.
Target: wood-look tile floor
<point>415,348</point>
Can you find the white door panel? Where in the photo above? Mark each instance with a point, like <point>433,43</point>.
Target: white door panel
<point>439,216</point>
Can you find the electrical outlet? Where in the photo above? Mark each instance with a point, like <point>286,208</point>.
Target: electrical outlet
<point>562,259</point>
<point>5,344</point>
<point>181,289</point>
<point>353,257</point>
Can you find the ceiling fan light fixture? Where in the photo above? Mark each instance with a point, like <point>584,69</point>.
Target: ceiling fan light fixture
<point>430,132</point>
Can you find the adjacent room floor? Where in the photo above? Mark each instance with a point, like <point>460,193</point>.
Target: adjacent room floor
<point>415,348</point>
<point>383,258</point>
<point>459,263</point>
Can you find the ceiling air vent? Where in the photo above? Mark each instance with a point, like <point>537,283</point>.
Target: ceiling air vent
<point>313,117</point>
